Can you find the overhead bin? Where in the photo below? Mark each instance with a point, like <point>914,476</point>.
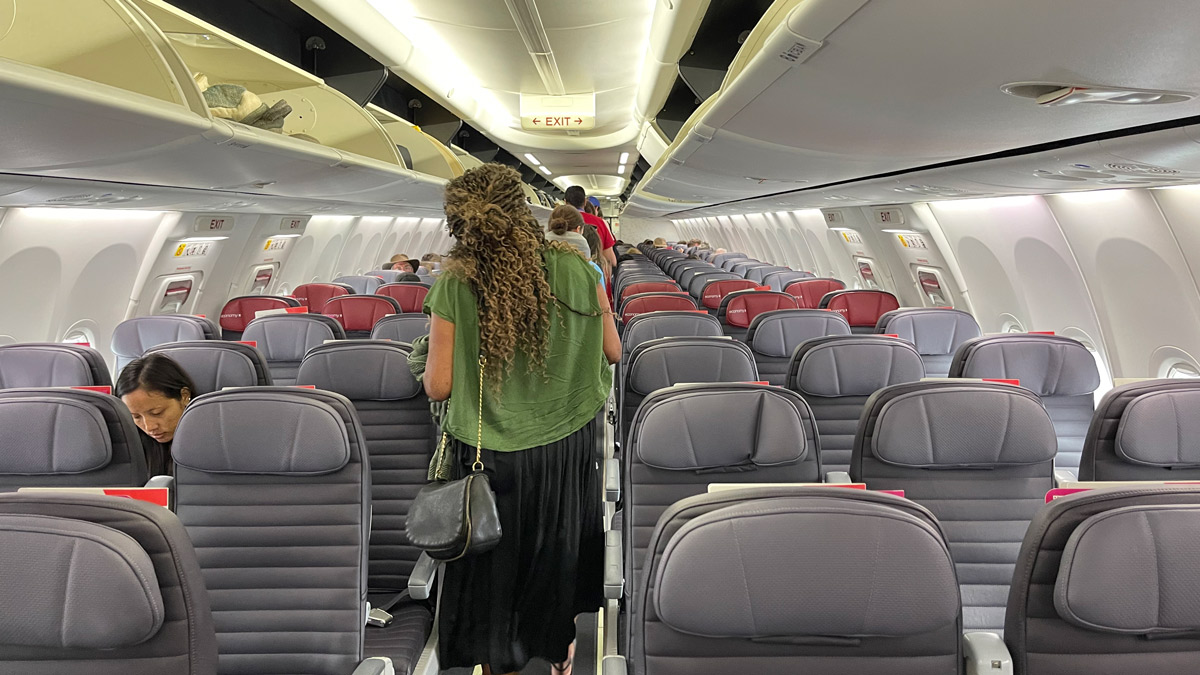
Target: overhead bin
<point>425,152</point>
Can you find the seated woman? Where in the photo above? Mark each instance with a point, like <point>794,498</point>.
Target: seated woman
<point>156,390</point>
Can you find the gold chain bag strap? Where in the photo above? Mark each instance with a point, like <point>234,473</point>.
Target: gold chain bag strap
<point>451,519</point>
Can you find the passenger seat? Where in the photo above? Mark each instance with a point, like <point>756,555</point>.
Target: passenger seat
<point>780,279</point>
<point>409,295</point>
<point>133,337</point>
<point>215,364</point>
<point>99,585</point>
<point>738,310</point>
<point>644,303</point>
<point>980,456</point>
<point>314,296</point>
<point>241,310</point>
<point>401,327</point>
<point>774,336</point>
<point>361,283</point>
<point>359,313</point>
<point>51,364</point>
<point>284,339</point>
<point>861,308</point>
<point>1145,431</point>
<point>936,333</point>
<point>1060,370</point>
<point>808,292</point>
<point>837,374</point>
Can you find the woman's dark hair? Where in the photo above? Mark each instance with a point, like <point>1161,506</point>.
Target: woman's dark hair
<point>155,372</point>
<point>565,218</point>
<point>593,240</point>
<point>407,276</point>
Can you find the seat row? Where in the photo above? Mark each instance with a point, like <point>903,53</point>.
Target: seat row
<point>348,304</point>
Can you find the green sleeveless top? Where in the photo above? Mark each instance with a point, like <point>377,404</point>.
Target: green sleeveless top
<point>531,408</point>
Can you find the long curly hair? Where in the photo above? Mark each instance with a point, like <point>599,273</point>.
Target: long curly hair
<point>497,251</point>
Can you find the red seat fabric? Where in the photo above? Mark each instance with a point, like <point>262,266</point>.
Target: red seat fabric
<point>360,312</point>
<point>650,287</point>
<point>861,308</point>
<point>240,311</point>
<point>656,303</point>
<point>314,296</point>
<point>810,291</point>
<point>715,291</point>
<point>410,296</point>
<point>743,307</point>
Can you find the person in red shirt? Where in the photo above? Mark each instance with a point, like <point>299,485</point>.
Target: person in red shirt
<point>577,197</point>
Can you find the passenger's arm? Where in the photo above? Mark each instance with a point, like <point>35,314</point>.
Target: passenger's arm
<point>612,341</point>
<point>439,365</point>
<point>611,257</point>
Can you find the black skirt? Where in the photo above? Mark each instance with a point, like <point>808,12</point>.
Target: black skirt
<point>519,601</point>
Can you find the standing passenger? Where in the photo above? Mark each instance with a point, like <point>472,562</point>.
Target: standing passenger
<point>156,390</point>
<point>565,225</point>
<point>532,318</point>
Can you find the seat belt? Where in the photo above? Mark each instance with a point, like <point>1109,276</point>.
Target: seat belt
<point>380,616</point>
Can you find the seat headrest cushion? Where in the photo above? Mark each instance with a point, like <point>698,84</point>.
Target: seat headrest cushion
<point>704,430</point>
<point>778,335</point>
<point>1045,365</point>
<point>783,568</point>
<point>933,331</point>
<point>663,366</point>
<point>47,435</point>
<point>1161,429</point>
<point>858,368</point>
<point>42,366</point>
<point>244,432</point>
<point>360,372</point>
<point>75,585</point>
<point>1132,571</point>
<point>963,427</point>
<point>133,337</point>
<point>287,337</point>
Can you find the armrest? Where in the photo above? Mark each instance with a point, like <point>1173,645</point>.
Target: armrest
<point>167,482</point>
<point>612,480</point>
<point>1063,476</point>
<point>986,654</point>
<point>586,660</point>
<point>375,665</point>
<point>837,477</point>
<point>614,665</point>
<point>420,582</point>
<point>614,566</point>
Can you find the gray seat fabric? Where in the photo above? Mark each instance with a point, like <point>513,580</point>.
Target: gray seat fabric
<point>1144,431</point>
<point>685,437</point>
<point>936,333</point>
<point>284,339</point>
<point>133,337</point>
<point>362,284</point>
<point>214,364</point>
<point>1060,370</point>
<point>665,362</point>
<point>779,279</point>
<point>980,456</point>
<point>657,325</point>
<point>773,337</point>
<point>115,585</point>
<point>274,489</point>
<point>1106,583</point>
<point>721,259</point>
<point>836,375</point>
<point>758,274</point>
<point>388,276</point>
<point>401,327</point>
<point>796,580</point>
<point>50,364</point>
<point>742,267</point>
<point>68,438</point>
<point>696,283</point>
<point>399,433</point>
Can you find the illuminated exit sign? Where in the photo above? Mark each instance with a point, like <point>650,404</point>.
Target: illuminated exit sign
<point>558,113</point>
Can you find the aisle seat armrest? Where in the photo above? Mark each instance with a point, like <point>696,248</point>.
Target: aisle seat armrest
<point>420,582</point>
<point>588,632</point>
<point>614,665</point>
<point>837,477</point>
<point>1064,476</point>
<point>612,480</point>
<point>614,565</point>
<point>986,654</point>
<point>375,665</point>
<point>167,482</point>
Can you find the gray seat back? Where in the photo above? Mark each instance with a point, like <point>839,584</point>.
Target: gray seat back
<point>1145,431</point>
<point>936,333</point>
<point>399,432</point>
<point>273,487</point>
<point>685,437</point>
<point>758,274</point>
<point>401,327</point>
<point>388,276</point>
<point>779,279</point>
<point>657,325</point>
<point>215,364</point>
<point>361,283</point>
<point>694,283</point>
<point>68,438</point>
<point>773,337</point>
<point>115,584</point>
<point>980,456</point>
<point>1060,370</point>
<point>797,580</point>
<point>51,364</point>
<point>284,339</point>
<point>133,337</point>
<point>1106,582</point>
<point>665,362</point>
<point>723,259</point>
<point>836,375</point>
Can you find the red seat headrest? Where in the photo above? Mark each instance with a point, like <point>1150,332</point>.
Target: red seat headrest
<point>861,308</point>
<point>411,297</point>
<point>650,287</point>
<point>742,308</point>
<point>314,296</point>
<point>359,312</point>
<point>240,311</point>
<point>810,291</point>
<point>715,291</point>
<point>656,303</point>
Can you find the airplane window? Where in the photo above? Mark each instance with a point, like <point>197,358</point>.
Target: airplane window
<point>931,285</point>
<point>7,340</point>
<point>79,337</point>
<point>867,271</point>
<point>262,280</point>
<point>1182,370</point>
<point>1011,324</point>
<point>176,294</point>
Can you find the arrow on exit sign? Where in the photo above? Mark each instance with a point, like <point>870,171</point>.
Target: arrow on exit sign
<point>556,122</point>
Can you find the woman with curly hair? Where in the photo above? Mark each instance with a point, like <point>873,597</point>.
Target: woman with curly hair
<point>533,317</point>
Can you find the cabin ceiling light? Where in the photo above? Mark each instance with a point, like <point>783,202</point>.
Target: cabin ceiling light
<point>1060,94</point>
<point>531,158</point>
<point>544,170</point>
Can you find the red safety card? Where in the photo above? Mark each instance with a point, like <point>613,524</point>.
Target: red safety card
<point>1015,383</point>
<point>304,386</point>
<point>296,310</point>
<point>894,335</point>
<point>860,486</point>
<point>762,288</point>
<point>1058,493</point>
<point>252,343</point>
<point>1040,332</point>
<point>98,390</point>
<point>153,495</point>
